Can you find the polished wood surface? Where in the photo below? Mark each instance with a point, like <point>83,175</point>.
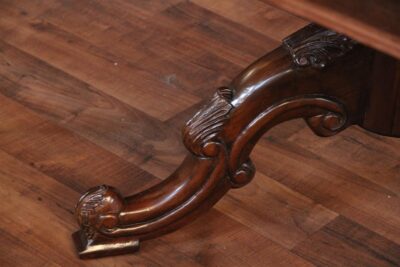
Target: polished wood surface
<point>316,74</point>
<point>373,22</point>
<point>384,97</point>
<point>66,127</point>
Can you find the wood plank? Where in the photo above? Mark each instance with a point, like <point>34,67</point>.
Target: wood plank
<point>196,32</point>
<point>15,251</point>
<point>110,73</point>
<point>331,185</point>
<point>177,61</point>
<point>88,112</point>
<point>205,241</point>
<point>375,23</point>
<point>256,15</point>
<point>345,243</point>
<point>356,151</point>
<point>275,211</point>
<point>66,157</point>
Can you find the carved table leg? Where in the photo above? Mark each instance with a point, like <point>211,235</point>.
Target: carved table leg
<point>316,74</point>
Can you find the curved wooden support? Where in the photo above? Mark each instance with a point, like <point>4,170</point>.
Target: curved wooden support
<point>316,74</point>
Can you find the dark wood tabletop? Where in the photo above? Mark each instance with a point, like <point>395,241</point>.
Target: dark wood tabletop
<point>375,23</point>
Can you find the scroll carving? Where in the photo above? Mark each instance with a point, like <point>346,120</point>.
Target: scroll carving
<point>325,117</point>
<point>201,131</point>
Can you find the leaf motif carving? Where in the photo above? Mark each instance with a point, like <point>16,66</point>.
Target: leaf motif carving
<point>201,131</point>
<point>317,47</point>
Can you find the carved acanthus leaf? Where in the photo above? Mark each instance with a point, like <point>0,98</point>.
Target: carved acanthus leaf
<point>316,46</point>
<point>199,134</point>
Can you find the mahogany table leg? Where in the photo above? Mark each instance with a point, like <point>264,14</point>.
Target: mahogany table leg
<point>316,74</point>
<point>382,105</point>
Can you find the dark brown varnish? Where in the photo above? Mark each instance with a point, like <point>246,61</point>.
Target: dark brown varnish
<point>316,74</point>
<point>95,92</point>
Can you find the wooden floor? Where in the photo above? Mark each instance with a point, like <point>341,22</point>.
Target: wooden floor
<point>96,91</point>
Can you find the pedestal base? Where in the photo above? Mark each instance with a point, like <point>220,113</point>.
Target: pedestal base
<point>317,74</point>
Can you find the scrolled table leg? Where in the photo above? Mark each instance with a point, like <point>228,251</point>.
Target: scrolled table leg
<point>316,75</point>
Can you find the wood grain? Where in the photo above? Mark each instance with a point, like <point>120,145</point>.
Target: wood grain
<point>344,243</point>
<point>66,125</point>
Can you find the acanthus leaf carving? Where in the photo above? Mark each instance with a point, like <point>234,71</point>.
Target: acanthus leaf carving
<point>316,46</point>
<point>200,132</point>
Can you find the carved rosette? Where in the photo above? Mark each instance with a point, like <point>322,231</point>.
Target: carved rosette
<point>316,46</point>
<point>98,210</point>
<point>200,135</point>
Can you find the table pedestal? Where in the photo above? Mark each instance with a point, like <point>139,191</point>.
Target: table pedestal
<point>316,74</point>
